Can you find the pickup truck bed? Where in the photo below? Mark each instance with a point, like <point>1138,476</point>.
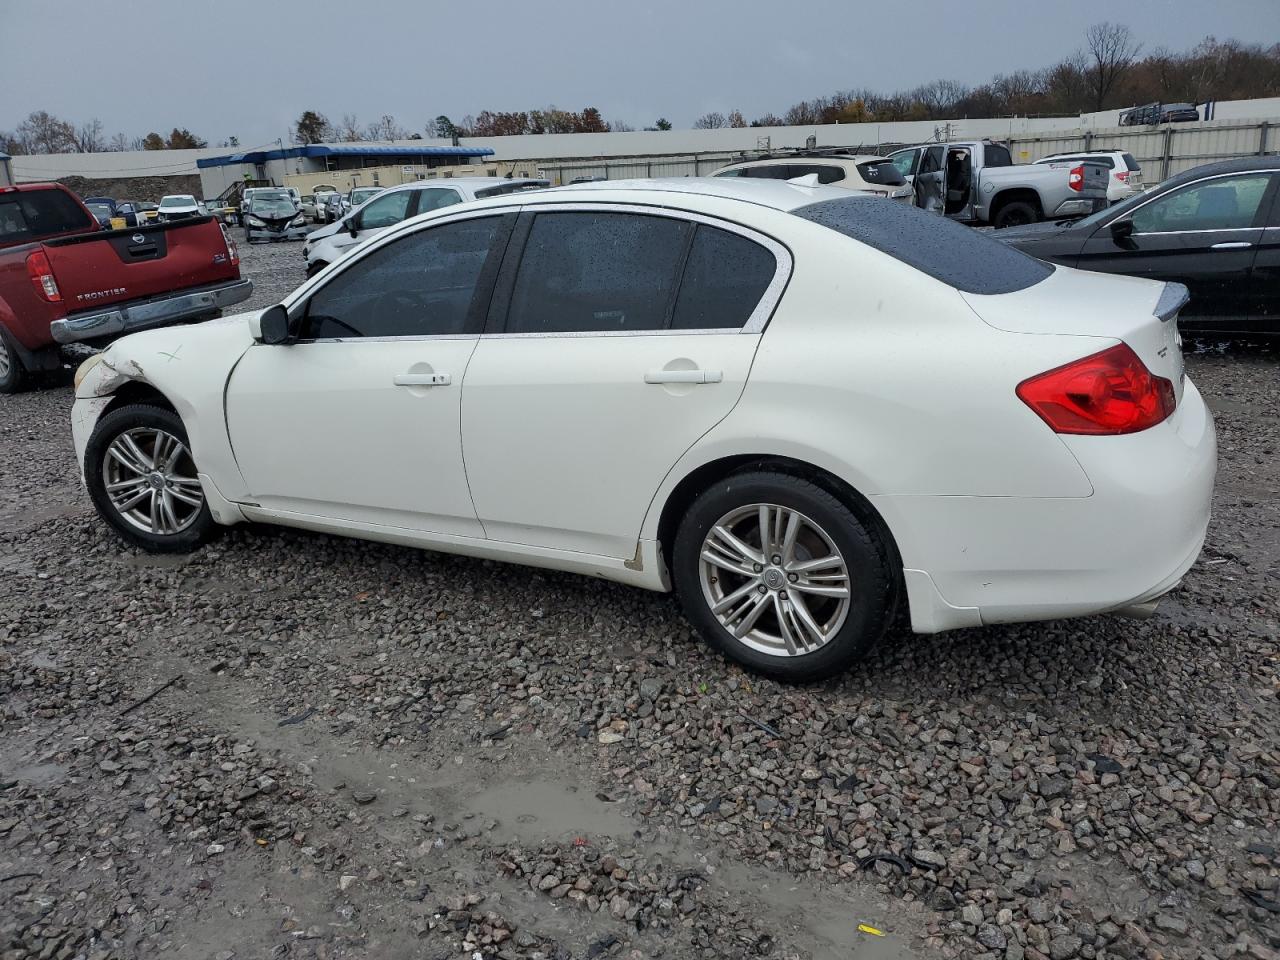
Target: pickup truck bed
<point>63,280</point>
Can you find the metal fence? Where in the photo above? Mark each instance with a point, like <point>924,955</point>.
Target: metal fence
<point>1162,151</point>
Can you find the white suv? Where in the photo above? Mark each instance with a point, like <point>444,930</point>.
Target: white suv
<point>395,204</point>
<point>1126,174</point>
<point>864,173</point>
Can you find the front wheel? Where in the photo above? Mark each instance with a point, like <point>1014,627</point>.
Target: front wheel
<point>780,575</point>
<point>13,375</point>
<point>143,481</point>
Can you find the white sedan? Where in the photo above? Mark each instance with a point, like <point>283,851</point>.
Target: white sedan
<point>795,407</point>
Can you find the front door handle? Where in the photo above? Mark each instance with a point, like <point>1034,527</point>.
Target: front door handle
<point>421,379</point>
<point>1232,245</point>
<point>683,376</point>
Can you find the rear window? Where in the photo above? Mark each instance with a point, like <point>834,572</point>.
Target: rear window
<point>994,155</point>
<point>945,250</point>
<point>39,213</point>
<point>881,172</point>
<point>1131,163</point>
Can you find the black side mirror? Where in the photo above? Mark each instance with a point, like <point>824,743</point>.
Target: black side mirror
<point>353,226</point>
<point>274,325</point>
<point>1121,229</point>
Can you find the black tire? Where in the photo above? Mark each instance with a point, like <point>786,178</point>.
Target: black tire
<point>14,377</point>
<point>200,528</point>
<point>872,587</point>
<point>1016,214</point>
<point>314,268</point>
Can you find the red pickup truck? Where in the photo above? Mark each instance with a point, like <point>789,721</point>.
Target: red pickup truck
<point>64,280</point>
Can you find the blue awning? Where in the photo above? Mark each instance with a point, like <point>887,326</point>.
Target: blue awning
<point>317,150</point>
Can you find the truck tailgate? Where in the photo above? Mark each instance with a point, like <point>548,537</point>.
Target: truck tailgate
<point>98,269</point>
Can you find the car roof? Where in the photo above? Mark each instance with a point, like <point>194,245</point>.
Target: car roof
<point>775,194</point>
<point>801,158</point>
<point>1243,165</point>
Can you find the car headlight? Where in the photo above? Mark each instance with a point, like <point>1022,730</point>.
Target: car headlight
<point>254,222</point>
<point>82,371</point>
<point>299,221</point>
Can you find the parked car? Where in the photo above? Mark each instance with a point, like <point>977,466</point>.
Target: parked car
<point>181,206</point>
<point>865,173</point>
<point>1126,173</point>
<point>1154,113</point>
<point>965,430</point>
<point>331,207</point>
<point>360,195</point>
<point>137,213</point>
<point>1215,228</point>
<point>108,202</point>
<point>220,210</point>
<point>64,281</point>
<point>102,212</point>
<point>977,182</point>
<point>312,205</point>
<point>273,218</point>
<point>395,204</point>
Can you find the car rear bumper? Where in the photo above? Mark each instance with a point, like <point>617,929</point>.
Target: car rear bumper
<point>128,318</point>
<point>1079,207</point>
<point>983,560</point>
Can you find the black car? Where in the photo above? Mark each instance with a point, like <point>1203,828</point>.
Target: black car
<point>1215,228</point>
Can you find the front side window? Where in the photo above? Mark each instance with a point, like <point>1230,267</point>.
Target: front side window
<point>1225,203</point>
<point>724,278</point>
<point>421,285</point>
<point>905,161</point>
<point>597,272</point>
<point>385,211</point>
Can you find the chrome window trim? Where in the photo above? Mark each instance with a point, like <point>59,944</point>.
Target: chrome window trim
<point>1271,171</point>
<point>784,263</point>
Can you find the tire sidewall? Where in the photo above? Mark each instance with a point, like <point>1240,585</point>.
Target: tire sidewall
<point>16,379</point>
<point>870,582</point>
<point>1002,221</point>
<point>107,429</point>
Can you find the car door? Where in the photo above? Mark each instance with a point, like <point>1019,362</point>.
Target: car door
<point>617,338</point>
<point>358,421</point>
<point>1204,234</point>
<point>930,183</point>
<point>1264,292</point>
<point>374,217</point>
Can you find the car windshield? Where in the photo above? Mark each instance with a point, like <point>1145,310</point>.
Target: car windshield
<point>360,196</point>
<point>99,209</point>
<point>170,202</point>
<point>271,206</point>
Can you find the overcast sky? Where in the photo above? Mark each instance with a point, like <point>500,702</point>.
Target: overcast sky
<point>249,67</point>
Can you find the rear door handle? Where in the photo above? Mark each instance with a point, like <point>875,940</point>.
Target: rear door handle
<point>683,376</point>
<point>1232,245</point>
<point>421,379</point>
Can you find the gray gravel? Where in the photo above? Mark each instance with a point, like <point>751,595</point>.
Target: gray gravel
<point>365,751</point>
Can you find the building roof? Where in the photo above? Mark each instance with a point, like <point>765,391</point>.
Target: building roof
<point>343,150</point>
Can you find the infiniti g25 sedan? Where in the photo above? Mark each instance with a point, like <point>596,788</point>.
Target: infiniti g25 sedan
<point>796,408</point>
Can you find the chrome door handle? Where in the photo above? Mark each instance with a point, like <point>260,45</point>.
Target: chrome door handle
<point>1232,245</point>
<point>421,379</point>
<point>683,376</point>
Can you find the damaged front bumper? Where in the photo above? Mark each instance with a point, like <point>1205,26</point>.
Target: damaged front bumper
<point>272,231</point>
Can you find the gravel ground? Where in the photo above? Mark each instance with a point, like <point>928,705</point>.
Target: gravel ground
<point>291,745</point>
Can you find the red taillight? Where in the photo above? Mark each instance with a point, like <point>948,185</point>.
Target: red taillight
<point>41,275</point>
<point>1075,180</point>
<point>1122,176</point>
<point>1107,393</point>
<point>232,251</point>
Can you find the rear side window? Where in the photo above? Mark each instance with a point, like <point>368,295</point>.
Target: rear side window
<point>905,161</point>
<point>436,198</point>
<point>945,250</point>
<point>39,213</point>
<point>724,278</point>
<point>826,173</point>
<point>419,286</point>
<point>597,272</point>
<point>994,155</point>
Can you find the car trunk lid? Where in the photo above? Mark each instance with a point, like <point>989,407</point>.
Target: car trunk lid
<point>1140,313</point>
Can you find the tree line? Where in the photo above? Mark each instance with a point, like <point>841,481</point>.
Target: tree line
<point>1108,71</point>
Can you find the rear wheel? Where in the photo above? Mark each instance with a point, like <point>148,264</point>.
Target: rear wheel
<point>143,480</point>
<point>13,375</point>
<point>780,575</point>
<point>1016,214</point>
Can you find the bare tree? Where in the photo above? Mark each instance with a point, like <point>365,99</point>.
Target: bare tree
<point>386,127</point>
<point>119,143</point>
<point>710,121</point>
<point>349,128</point>
<point>1112,51</point>
<point>90,138</point>
<point>42,132</point>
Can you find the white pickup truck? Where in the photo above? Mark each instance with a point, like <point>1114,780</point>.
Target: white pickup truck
<point>977,181</point>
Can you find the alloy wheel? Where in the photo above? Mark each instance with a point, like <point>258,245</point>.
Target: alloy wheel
<point>774,579</point>
<point>6,363</point>
<point>151,481</point>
